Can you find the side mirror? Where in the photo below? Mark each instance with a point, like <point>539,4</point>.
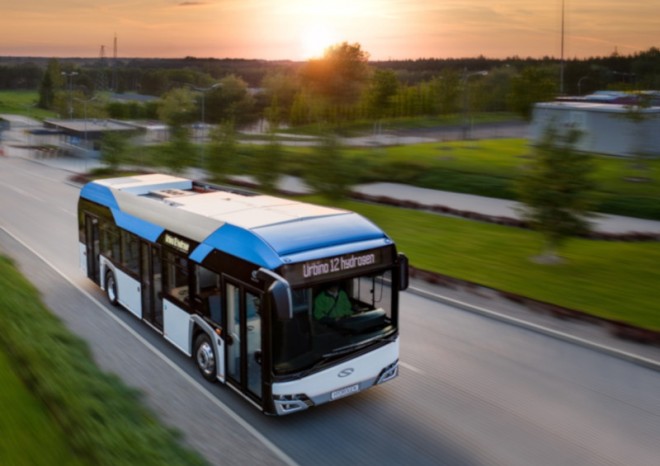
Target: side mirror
<point>281,295</point>
<point>279,291</point>
<point>404,277</point>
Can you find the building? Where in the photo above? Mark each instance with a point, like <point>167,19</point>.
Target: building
<point>607,128</point>
<point>82,138</point>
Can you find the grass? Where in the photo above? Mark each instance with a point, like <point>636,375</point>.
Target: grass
<point>22,103</point>
<point>611,280</point>
<point>29,436</point>
<point>87,412</point>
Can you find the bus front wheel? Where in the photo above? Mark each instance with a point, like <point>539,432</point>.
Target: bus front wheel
<point>205,357</point>
<point>111,288</point>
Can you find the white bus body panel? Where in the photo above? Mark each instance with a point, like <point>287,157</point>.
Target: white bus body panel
<point>220,358</point>
<point>82,254</point>
<point>176,326</point>
<point>344,379</point>
<point>129,293</point>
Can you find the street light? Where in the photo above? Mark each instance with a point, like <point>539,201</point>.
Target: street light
<point>85,102</point>
<point>203,91</point>
<point>466,76</point>
<point>579,84</point>
<point>68,76</point>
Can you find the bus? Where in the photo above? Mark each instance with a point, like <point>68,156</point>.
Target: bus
<point>235,280</point>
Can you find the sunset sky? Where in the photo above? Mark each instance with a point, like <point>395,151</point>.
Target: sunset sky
<point>301,29</point>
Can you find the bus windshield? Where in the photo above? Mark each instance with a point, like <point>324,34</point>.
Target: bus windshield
<point>331,320</point>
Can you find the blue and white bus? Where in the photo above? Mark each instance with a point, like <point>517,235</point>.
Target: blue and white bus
<point>232,279</point>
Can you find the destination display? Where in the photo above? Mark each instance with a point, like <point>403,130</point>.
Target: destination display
<point>178,243</point>
<point>344,265</point>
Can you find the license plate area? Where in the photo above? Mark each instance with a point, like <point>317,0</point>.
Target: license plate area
<point>342,392</point>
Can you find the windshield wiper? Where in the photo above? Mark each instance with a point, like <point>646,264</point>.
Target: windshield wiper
<point>352,347</point>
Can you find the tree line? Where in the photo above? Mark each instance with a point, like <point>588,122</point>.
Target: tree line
<point>343,85</point>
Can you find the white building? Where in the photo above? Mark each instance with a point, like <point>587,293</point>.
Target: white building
<point>606,128</point>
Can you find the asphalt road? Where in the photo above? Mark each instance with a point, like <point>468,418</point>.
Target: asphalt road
<point>472,391</point>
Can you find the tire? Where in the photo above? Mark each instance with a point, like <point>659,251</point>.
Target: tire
<point>111,288</point>
<point>205,358</point>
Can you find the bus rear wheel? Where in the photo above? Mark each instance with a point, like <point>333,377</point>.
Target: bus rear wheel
<point>111,288</point>
<point>205,357</point>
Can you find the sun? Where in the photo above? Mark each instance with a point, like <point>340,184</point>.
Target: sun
<point>314,40</point>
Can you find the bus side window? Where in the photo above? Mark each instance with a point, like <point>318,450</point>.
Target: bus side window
<point>207,289</point>
<point>176,276</point>
<point>130,252</point>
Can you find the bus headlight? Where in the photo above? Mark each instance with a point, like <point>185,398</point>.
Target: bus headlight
<point>388,373</point>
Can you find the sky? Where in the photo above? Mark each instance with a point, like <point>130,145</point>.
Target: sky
<point>302,29</point>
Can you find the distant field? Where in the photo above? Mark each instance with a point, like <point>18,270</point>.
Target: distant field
<point>22,103</point>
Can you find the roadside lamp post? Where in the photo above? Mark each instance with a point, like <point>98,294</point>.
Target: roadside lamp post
<point>203,91</point>
<point>468,125</point>
<point>85,102</point>
<point>68,76</point>
<point>579,84</point>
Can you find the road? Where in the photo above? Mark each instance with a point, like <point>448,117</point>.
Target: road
<point>472,391</point>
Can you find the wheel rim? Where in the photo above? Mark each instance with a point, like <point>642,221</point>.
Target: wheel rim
<point>206,359</point>
<point>111,289</point>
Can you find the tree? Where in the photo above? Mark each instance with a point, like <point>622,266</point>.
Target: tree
<point>555,190</point>
<point>532,85</point>
<point>51,83</point>
<point>179,152</point>
<point>340,75</point>
<point>280,90</point>
<point>46,92</point>
<point>230,100</point>
<point>267,165</point>
<point>222,151</point>
<point>177,110</point>
<point>114,147</point>
<point>177,107</point>
<point>327,170</point>
<point>447,91</point>
<point>382,90</point>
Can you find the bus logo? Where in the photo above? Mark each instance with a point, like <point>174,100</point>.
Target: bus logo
<point>346,372</point>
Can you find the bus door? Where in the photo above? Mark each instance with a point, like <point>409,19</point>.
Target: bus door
<point>244,338</point>
<point>93,247</point>
<point>151,284</point>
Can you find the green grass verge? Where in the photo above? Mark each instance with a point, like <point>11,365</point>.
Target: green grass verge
<point>608,279</point>
<point>29,436</point>
<point>22,103</point>
<point>103,421</point>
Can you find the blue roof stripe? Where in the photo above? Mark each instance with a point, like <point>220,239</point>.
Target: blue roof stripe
<point>140,227</point>
<point>200,253</point>
<point>244,244</point>
<point>321,232</point>
<point>100,194</point>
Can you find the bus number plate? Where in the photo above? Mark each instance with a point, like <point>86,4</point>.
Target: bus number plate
<point>345,391</point>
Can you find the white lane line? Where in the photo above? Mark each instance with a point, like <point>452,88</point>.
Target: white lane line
<point>412,368</point>
<point>559,335</point>
<point>24,193</point>
<point>226,409</point>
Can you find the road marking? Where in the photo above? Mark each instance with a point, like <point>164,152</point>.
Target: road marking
<point>24,193</point>
<point>540,329</point>
<point>232,414</point>
<point>412,368</point>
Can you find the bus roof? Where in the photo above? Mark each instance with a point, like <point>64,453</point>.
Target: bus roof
<point>265,230</point>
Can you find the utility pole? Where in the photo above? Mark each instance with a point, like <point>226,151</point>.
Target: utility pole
<point>561,66</point>
<point>68,76</point>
